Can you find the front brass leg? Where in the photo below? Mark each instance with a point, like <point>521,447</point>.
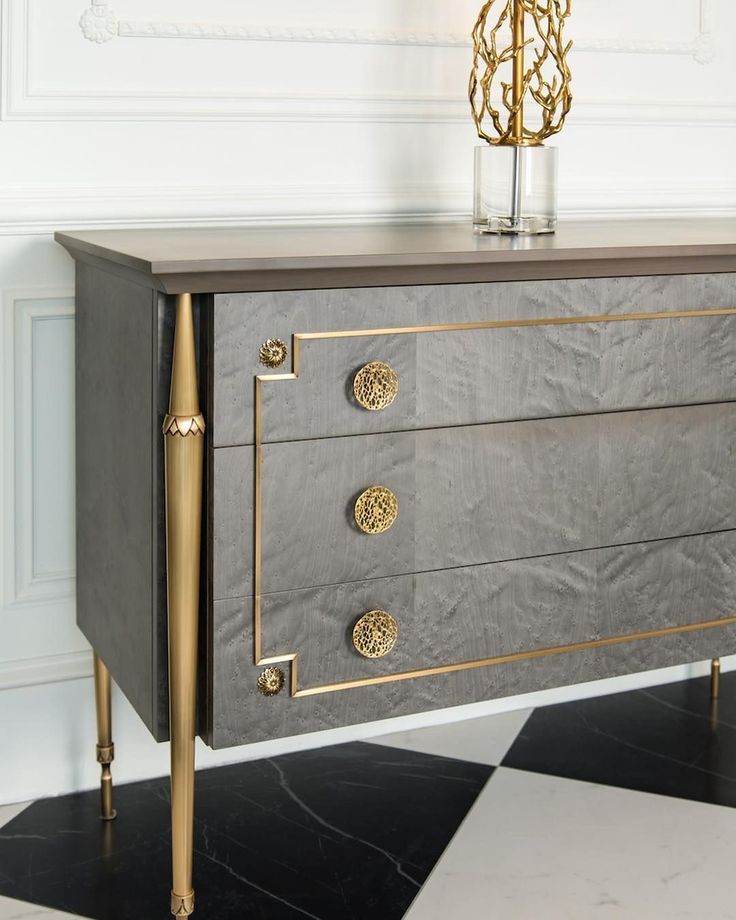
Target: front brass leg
<point>184,452</point>
<point>105,747</point>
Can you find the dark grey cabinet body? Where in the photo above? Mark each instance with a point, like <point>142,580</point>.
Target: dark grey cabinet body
<point>562,449</point>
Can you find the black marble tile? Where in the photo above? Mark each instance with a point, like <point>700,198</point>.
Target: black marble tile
<point>348,832</point>
<point>667,740</point>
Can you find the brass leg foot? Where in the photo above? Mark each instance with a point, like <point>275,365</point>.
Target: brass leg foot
<point>715,678</point>
<point>182,905</point>
<point>184,452</point>
<point>105,747</point>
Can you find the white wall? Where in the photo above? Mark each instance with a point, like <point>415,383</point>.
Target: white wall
<point>331,110</point>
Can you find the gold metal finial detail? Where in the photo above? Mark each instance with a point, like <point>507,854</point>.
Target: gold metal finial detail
<point>376,386</point>
<point>376,509</point>
<point>271,681</point>
<point>375,634</point>
<point>182,905</point>
<point>500,43</point>
<point>273,353</point>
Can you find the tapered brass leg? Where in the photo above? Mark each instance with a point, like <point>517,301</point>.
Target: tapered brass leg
<point>184,451</point>
<point>105,747</point>
<point>715,678</point>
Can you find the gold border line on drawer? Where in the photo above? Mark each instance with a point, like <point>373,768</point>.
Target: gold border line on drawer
<point>292,657</point>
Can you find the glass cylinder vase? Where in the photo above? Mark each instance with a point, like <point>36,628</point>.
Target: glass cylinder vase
<point>515,189</point>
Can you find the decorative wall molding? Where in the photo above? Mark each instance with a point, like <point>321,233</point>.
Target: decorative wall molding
<point>46,669</point>
<point>34,582</point>
<point>29,95</point>
<point>34,212</point>
<point>100,24</point>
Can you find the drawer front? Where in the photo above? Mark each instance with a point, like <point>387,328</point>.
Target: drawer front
<point>473,495</point>
<point>476,633</point>
<point>456,376</point>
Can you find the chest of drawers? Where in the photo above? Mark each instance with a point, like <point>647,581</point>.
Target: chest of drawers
<point>434,469</point>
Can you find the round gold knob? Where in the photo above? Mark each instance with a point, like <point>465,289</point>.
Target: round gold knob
<point>376,510</point>
<point>376,386</point>
<point>375,634</point>
<point>271,681</point>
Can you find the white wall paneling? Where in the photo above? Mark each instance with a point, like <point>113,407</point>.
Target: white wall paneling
<point>44,459</point>
<point>42,82</point>
<point>166,112</point>
<point>40,642</point>
<point>99,23</point>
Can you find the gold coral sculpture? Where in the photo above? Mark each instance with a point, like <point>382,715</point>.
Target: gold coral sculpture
<point>500,38</point>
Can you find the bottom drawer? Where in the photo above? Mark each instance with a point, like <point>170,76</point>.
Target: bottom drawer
<point>472,633</point>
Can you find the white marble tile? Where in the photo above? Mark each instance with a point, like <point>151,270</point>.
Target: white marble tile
<point>8,812</point>
<point>542,848</point>
<point>485,740</point>
<point>19,910</point>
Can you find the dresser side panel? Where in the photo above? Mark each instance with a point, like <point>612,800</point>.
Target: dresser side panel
<point>117,482</point>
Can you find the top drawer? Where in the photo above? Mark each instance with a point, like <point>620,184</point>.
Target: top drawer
<point>470,354</point>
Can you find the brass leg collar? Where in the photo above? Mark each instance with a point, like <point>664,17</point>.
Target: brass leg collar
<point>182,905</point>
<point>105,753</point>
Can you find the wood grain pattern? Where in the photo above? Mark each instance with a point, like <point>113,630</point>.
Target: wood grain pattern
<point>478,376</point>
<point>121,340</point>
<point>469,613</point>
<point>478,494</point>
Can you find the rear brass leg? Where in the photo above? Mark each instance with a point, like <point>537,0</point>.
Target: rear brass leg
<point>105,747</point>
<point>184,451</point>
<point>715,678</point>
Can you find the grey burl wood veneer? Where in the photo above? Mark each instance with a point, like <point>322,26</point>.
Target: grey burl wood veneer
<point>472,495</point>
<point>563,463</point>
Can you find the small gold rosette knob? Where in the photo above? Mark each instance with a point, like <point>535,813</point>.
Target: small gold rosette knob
<point>271,681</point>
<point>376,386</point>
<point>273,353</point>
<point>375,634</point>
<point>376,509</point>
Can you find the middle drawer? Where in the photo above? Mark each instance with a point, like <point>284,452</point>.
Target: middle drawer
<point>471,495</point>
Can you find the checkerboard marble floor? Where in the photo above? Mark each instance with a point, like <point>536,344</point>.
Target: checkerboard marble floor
<point>621,806</point>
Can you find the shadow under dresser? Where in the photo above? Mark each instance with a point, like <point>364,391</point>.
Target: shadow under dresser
<point>434,468</point>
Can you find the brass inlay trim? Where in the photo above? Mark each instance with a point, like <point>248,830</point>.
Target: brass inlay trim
<point>511,657</point>
<point>376,510</point>
<point>292,657</point>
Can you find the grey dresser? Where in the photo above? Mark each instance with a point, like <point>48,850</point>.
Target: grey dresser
<point>415,467</point>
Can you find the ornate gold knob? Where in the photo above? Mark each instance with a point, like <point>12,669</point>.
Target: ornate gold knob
<point>271,681</point>
<point>375,634</point>
<point>376,386</point>
<point>376,510</point>
<point>273,353</point>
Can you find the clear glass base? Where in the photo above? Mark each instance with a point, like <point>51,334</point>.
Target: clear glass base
<point>515,189</point>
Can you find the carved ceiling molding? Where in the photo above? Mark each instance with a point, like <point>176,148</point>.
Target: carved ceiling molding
<point>99,23</point>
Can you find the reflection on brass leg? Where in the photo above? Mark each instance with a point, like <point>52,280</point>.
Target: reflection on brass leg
<point>184,450</point>
<point>715,678</point>
<point>105,747</point>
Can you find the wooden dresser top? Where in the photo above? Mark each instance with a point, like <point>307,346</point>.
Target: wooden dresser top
<point>292,258</point>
